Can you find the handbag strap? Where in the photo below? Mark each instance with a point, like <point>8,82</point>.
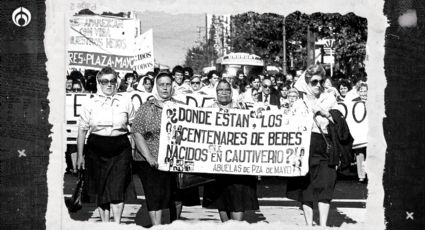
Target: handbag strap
<point>318,126</point>
<point>320,129</point>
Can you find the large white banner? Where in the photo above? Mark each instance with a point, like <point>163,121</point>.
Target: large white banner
<point>97,41</point>
<point>231,141</point>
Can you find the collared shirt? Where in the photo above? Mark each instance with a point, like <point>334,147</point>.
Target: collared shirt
<point>107,116</point>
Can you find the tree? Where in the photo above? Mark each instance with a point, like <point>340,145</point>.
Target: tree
<point>260,34</point>
<point>202,55</point>
<point>349,32</point>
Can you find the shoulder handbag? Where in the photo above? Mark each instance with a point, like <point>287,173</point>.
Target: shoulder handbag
<point>74,203</point>
<point>189,180</point>
<point>329,147</point>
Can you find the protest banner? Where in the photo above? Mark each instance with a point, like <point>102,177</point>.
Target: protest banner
<point>355,114</point>
<point>138,98</point>
<point>144,60</point>
<point>73,105</point>
<point>97,41</point>
<point>231,141</point>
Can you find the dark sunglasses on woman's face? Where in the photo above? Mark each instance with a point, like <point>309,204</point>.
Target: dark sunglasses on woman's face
<point>106,81</point>
<point>195,82</point>
<point>315,82</point>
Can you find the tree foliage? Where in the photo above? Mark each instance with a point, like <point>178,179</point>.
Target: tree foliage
<point>262,34</point>
<point>202,55</point>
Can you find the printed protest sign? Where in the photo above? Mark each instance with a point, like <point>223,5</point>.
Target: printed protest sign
<point>97,41</point>
<point>232,141</point>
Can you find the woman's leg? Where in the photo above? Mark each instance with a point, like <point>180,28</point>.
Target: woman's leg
<point>323,212</point>
<point>155,217</point>
<point>179,208</point>
<point>224,216</point>
<point>237,216</point>
<point>104,212</point>
<point>360,166</point>
<point>117,209</point>
<point>308,213</point>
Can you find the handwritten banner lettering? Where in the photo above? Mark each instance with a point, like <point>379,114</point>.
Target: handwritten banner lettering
<point>232,141</point>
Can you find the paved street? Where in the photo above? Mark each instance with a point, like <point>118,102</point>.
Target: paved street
<point>348,207</point>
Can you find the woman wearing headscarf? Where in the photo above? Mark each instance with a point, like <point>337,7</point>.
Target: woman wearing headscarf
<point>319,183</point>
<point>146,134</point>
<point>106,116</point>
<point>232,195</point>
<point>159,186</point>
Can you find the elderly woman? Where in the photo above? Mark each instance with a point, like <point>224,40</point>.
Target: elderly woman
<point>319,183</point>
<point>232,195</point>
<point>107,117</point>
<point>146,134</point>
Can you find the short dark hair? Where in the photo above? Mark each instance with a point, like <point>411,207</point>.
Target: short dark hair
<point>178,69</point>
<point>188,69</point>
<point>127,75</point>
<point>345,83</point>
<point>145,79</point>
<point>210,74</point>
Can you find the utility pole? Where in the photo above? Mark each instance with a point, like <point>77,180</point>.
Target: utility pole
<point>284,46</point>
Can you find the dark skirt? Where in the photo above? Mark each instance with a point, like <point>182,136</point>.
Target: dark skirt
<point>231,193</point>
<point>109,170</point>
<point>156,185</point>
<point>319,183</point>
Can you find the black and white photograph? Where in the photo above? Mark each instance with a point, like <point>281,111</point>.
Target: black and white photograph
<point>189,114</point>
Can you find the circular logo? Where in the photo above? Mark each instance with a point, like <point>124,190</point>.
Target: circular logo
<point>21,17</point>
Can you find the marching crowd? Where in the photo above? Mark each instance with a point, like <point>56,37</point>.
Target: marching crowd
<point>109,157</point>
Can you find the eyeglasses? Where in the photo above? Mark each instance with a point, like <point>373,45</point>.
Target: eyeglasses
<point>315,82</point>
<point>267,86</point>
<point>196,82</point>
<point>106,81</point>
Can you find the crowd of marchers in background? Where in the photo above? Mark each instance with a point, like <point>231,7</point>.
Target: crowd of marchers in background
<point>245,88</point>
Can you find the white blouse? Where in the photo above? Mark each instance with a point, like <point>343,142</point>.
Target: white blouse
<point>107,116</point>
<point>326,101</point>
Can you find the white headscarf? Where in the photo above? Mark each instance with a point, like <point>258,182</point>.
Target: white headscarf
<point>302,86</point>
<point>156,94</point>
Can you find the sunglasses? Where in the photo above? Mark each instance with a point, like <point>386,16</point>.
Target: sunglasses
<point>315,82</point>
<point>267,86</point>
<point>196,82</point>
<point>106,81</point>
